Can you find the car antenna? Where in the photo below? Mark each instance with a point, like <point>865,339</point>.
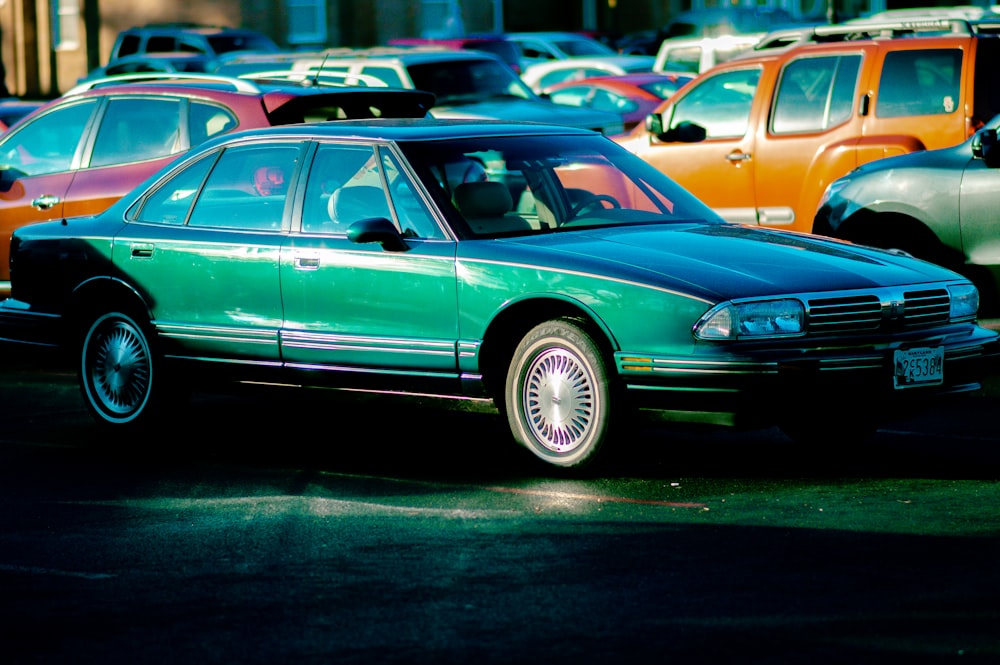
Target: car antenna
<point>322,63</point>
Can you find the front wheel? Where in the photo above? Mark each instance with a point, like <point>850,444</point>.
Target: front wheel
<point>558,396</point>
<point>117,372</point>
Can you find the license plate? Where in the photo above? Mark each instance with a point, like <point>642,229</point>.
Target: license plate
<point>918,367</point>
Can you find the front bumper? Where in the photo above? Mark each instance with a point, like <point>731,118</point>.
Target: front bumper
<point>762,386</point>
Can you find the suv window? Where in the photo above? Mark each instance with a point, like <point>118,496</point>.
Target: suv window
<point>721,104</point>
<point>136,129</point>
<point>47,144</point>
<point>924,82</point>
<point>129,45</point>
<point>683,59</point>
<point>387,74</point>
<point>986,103</point>
<point>466,80</point>
<point>160,44</point>
<point>815,94</point>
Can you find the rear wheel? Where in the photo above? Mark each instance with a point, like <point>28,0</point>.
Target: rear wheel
<point>558,396</point>
<point>118,372</point>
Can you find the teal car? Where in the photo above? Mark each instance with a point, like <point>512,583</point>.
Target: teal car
<point>542,267</point>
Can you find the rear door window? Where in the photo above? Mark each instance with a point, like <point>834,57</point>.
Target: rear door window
<point>137,129</point>
<point>815,94</point>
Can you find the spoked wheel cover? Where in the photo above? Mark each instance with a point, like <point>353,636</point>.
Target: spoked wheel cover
<point>117,367</point>
<point>559,400</point>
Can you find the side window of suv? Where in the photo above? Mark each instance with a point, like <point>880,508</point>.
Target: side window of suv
<point>815,94</point>
<point>683,59</point>
<point>129,45</point>
<point>919,82</point>
<point>160,44</point>
<point>49,144</point>
<point>208,120</point>
<point>720,104</point>
<point>387,74</point>
<point>133,130</point>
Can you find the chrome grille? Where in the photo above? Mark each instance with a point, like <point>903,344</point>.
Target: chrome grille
<point>846,313</point>
<point>926,307</point>
<point>867,312</point>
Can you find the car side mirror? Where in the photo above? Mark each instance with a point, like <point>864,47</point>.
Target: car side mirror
<point>654,124</point>
<point>686,132</point>
<point>984,147</point>
<point>380,230</point>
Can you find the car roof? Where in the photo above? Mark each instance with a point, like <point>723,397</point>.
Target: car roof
<point>550,34</point>
<point>190,28</point>
<point>632,79</point>
<point>275,95</point>
<point>616,60</point>
<point>861,30</point>
<point>409,129</point>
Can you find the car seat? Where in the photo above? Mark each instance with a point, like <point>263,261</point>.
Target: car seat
<point>486,207</point>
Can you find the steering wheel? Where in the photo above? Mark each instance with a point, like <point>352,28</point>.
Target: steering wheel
<point>592,201</point>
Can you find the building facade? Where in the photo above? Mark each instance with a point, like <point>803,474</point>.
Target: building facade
<point>47,45</point>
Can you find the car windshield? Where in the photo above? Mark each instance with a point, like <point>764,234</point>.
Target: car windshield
<point>468,81</point>
<point>500,186</point>
<point>577,47</point>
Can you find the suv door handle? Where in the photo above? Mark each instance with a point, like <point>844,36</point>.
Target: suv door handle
<point>45,201</point>
<point>737,156</point>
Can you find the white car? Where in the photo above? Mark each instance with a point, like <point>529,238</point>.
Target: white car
<point>543,75</point>
<point>542,46</point>
<point>694,55</point>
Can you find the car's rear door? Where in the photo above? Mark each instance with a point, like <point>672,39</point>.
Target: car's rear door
<point>135,137</point>
<point>810,135</point>
<point>210,271</point>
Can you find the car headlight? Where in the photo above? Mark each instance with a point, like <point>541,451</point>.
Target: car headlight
<point>964,301</point>
<point>767,318</point>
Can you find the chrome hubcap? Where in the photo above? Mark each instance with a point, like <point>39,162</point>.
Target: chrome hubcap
<point>121,369</point>
<point>559,400</point>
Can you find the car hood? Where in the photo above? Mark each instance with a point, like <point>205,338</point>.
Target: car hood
<point>526,110</point>
<point>723,261</point>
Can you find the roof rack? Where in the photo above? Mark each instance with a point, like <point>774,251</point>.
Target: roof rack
<point>862,29</point>
<point>238,84</point>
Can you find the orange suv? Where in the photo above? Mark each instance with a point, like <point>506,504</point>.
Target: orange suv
<point>760,137</point>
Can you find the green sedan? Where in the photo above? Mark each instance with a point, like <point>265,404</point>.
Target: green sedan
<point>541,267</point>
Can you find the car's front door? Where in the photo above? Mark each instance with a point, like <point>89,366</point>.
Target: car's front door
<point>38,161</point>
<point>362,306</point>
<point>709,142</point>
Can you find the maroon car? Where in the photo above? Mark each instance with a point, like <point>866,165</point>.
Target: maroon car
<point>80,153</point>
<point>633,96</point>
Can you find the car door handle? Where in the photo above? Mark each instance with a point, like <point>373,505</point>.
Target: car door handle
<point>142,251</point>
<point>307,262</point>
<point>738,156</point>
<point>45,201</point>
